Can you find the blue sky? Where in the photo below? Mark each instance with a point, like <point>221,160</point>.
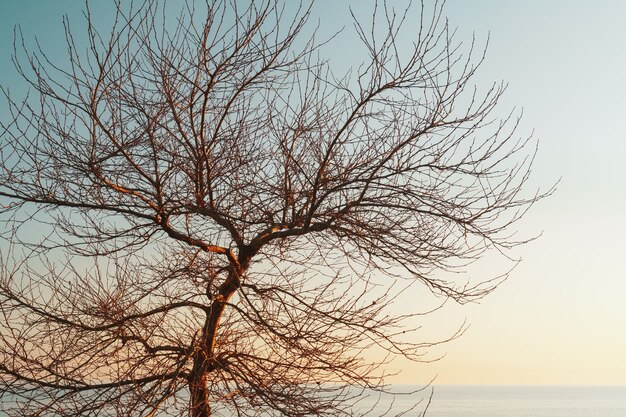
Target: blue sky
<point>560,317</point>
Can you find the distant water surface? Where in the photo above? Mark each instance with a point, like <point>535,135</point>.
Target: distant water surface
<point>508,401</point>
<point>489,401</point>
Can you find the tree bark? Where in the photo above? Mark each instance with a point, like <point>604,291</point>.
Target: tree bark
<point>199,393</point>
<point>204,358</point>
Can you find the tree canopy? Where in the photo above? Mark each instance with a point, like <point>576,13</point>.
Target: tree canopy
<point>202,217</point>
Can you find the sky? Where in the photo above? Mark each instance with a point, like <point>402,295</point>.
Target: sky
<point>561,315</point>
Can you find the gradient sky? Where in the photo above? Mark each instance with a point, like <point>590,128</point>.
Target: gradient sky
<point>561,316</point>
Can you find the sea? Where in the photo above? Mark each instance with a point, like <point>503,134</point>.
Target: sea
<point>492,401</point>
<point>503,401</point>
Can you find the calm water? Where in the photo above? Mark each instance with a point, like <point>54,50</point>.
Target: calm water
<point>499,401</point>
<point>515,401</point>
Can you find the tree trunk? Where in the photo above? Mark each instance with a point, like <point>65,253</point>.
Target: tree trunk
<point>199,401</point>
<point>204,357</point>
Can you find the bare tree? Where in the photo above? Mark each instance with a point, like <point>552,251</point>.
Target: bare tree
<point>222,221</point>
